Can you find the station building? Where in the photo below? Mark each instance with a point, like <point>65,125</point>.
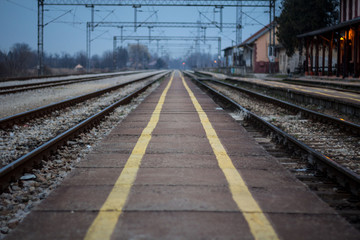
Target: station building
<point>252,55</point>
<point>330,51</point>
<point>341,40</point>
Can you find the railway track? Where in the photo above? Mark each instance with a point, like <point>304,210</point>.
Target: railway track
<point>345,203</point>
<point>289,116</point>
<point>322,151</point>
<point>45,84</point>
<point>38,112</point>
<point>324,100</point>
<point>9,79</point>
<point>15,168</point>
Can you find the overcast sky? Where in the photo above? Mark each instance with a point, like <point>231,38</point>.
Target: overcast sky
<point>18,24</point>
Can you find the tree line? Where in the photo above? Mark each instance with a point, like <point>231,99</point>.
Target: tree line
<point>21,60</point>
<point>299,17</point>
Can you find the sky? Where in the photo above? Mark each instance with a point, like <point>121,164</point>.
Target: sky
<point>65,30</point>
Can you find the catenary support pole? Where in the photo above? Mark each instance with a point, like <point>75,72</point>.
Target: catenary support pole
<point>40,37</point>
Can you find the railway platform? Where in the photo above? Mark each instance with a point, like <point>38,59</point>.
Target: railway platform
<point>333,96</point>
<point>179,167</point>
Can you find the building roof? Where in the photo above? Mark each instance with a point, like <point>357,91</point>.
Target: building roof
<point>252,38</point>
<point>79,66</point>
<point>255,36</point>
<point>228,48</point>
<point>331,28</point>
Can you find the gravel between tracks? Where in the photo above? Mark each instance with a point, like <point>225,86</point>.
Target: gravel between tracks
<point>37,80</point>
<point>314,107</point>
<point>330,141</point>
<point>21,139</point>
<point>24,195</point>
<point>14,103</point>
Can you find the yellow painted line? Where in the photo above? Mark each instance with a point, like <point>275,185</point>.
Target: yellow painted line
<point>325,94</point>
<point>315,90</point>
<point>259,225</point>
<point>104,224</point>
<point>349,96</point>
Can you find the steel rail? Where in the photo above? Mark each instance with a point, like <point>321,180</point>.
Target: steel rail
<point>9,79</point>
<point>321,163</point>
<point>329,102</point>
<point>15,169</point>
<point>34,86</point>
<point>62,80</point>
<point>41,111</point>
<point>349,126</point>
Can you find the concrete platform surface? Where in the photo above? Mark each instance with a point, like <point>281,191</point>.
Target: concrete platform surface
<point>182,189</point>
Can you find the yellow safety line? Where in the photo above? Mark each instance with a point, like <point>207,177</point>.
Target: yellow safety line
<point>104,224</point>
<point>319,91</point>
<point>348,96</point>
<point>328,95</point>
<point>260,226</point>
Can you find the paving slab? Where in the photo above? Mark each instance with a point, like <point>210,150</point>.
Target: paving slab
<point>182,225</point>
<point>56,225</point>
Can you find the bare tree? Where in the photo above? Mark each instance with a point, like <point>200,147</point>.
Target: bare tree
<point>17,61</point>
<point>121,57</point>
<point>139,56</point>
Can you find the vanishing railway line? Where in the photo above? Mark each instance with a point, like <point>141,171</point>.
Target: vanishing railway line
<point>173,141</point>
<point>28,144</point>
<point>322,151</point>
<point>46,84</point>
<point>331,145</point>
<point>25,116</point>
<point>338,103</point>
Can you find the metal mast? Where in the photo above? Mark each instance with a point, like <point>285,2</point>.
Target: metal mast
<point>220,4</point>
<point>239,23</point>
<point>40,37</point>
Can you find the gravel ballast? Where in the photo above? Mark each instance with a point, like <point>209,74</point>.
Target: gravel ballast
<point>329,140</point>
<point>21,139</point>
<point>50,79</point>
<point>14,103</point>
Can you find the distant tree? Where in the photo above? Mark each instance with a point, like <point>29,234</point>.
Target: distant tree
<point>80,58</point>
<point>197,60</point>
<point>139,55</point>
<point>18,60</point>
<point>303,16</point>
<point>67,61</point>
<point>53,60</point>
<point>3,66</point>
<point>122,57</point>
<point>95,61</point>
<point>107,59</point>
<point>160,64</point>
